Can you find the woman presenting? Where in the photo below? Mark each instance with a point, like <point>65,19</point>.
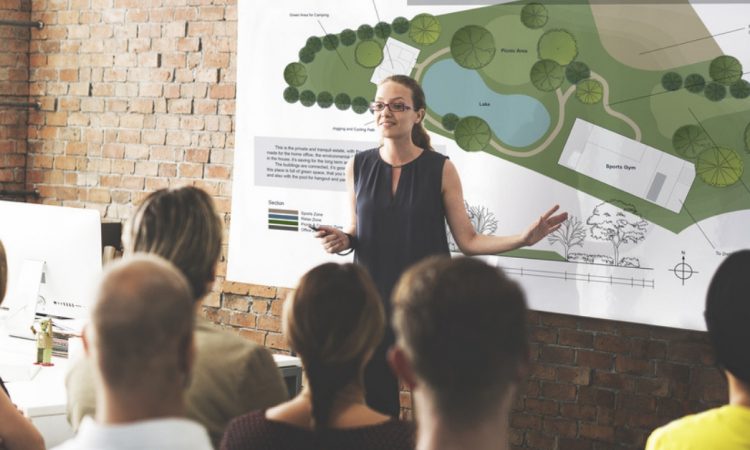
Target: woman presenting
<point>401,194</point>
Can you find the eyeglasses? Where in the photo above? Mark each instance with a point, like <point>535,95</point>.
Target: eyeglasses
<point>394,107</point>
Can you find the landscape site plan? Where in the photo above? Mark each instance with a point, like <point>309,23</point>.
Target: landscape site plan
<point>633,117</point>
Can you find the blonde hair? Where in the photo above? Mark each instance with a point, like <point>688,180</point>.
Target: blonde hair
<point>334,320</point>
<point>182,226</point>
<point>3,272</point>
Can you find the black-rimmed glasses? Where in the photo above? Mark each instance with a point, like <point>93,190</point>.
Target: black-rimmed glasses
<point>394,107</point>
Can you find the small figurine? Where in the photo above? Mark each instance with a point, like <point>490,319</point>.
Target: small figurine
<point>44,343</point>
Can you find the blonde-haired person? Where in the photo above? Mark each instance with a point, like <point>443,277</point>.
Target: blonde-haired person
<point>401,194</point>
<point>16,432</point>
<point>231,375</point>
<point>333,321</point>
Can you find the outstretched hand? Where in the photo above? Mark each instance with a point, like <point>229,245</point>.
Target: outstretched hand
<point>544,225</point>
<point>332,239</point>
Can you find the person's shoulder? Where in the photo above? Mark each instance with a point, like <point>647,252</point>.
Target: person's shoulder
<point>247,428</point>
<point>695,431</point>
<point>372,154</point>
<point>394,434</point>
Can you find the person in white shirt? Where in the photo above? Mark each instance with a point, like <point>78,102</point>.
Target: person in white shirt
<point>141,342</point>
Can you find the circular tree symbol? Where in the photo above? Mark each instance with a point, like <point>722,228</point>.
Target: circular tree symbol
<point>740,89</point>
<point>368,54</point>
<point>546,75</point>
<point>295,74</point>
<point>291,94</point>
<point>719,166</point>
<point>559,46</point>
<point>314,43</point>
<point>577,71</point>
<point>306,55</point>
<point>360,105</point>
<point>725,69</point>
<point>473,47</point>
<point>330,41</point>
<point>450,121</point>
<point>383,30</point>
<point>424,29</point>
<point>342,101</point>
<point>695,83</point>
<point>589,92</point>
<point>472,133</point>
<point>690,140</point>
<point>534,15</point>
<point>671,81</point>
<point>307,98</point>
<point>325,99</point>
<point>365,32</point>
<point>348,37</point>
<point>715,91</point>
<point>400,25</point>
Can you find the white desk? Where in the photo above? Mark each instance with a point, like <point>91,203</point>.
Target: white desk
<point>43,399</point>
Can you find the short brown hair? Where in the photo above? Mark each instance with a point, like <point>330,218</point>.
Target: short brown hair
<point>333,320</point>
<point>3,272</point>
<point>463,325</point>
<point>142,319</point>
<point>182,226</point>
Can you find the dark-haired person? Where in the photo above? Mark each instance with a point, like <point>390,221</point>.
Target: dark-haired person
<point>232,375</point>
<point>333,321</point>
<point>728,321</point>
<point>16,432</point>
<point>142,345</point>
<point>462,348</point>
<point>401,195</point>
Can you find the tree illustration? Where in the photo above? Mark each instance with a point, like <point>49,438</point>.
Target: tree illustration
<point>424,29</point>
<point>482,219</point>
<point>472,134</point>
<point>571,234</point>
<point>577,71</point>
<point>325,99</point>
<point>295,74</point>
<point>589,92</point>
<point>719,167</point>
<point>619,223</point>
<point>365,32</point>
<point>473,47</point>
<point>690,140</point>
<point>725,69</point>
<point>383,30</point>
<point>534,15</point>
<point>307,98</point>
<point>314,43</point>
<point>368,54</point>
<point>740,89</point>
<point>559,46</point>
<point>450,121</point>
<point>546,75</point>
<point>330,41</point>
<point>715,91</point>
<point>348,37</point>
<point>400,25</point>
<point>671,81</point>
<point>306,55</point>
<point>291,94</point>
<point>342,101</point>
<point>695,83</point>
<point>360,105</point>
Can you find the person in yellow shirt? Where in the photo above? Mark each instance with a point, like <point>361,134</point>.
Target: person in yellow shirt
<point>728,321</point>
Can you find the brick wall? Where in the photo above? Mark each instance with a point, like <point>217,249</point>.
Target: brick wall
<point>14,87</point>
<point>140,95</point>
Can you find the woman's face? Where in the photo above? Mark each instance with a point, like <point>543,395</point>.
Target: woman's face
<point>396,124</point>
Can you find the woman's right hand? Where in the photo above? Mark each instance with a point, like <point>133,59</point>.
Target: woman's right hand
<point>332,239</point>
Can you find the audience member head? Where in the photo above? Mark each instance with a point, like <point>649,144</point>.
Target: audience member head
<point>141,328</point>
<point>3,272</point>
<point>728,314</point>
<point>182,226</point>
<point>333,320</point>
<point>461,336</point>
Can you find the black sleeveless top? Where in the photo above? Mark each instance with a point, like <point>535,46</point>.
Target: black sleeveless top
<point>396,231</point>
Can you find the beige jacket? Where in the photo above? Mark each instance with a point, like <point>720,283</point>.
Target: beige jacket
<point>231,377</point>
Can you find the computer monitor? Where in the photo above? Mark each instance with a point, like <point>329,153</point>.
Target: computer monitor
<point>62,243</point>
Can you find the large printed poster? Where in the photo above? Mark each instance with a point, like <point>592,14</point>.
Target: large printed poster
<point>633,116</point>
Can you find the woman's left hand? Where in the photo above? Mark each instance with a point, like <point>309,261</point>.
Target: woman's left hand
<point>544,225</point>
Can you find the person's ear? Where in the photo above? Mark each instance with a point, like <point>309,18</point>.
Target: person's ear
<point>420,115</point>
<point>85,339</point>
<point>402,366</point>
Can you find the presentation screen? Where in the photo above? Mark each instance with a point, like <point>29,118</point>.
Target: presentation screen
<point>632,116</point>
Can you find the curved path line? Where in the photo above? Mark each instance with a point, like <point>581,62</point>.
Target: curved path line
<point>612,112</point>
<point>421,66</point>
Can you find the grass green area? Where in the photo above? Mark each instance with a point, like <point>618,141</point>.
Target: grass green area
<point>516,51</point>
<point>534,254</point>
